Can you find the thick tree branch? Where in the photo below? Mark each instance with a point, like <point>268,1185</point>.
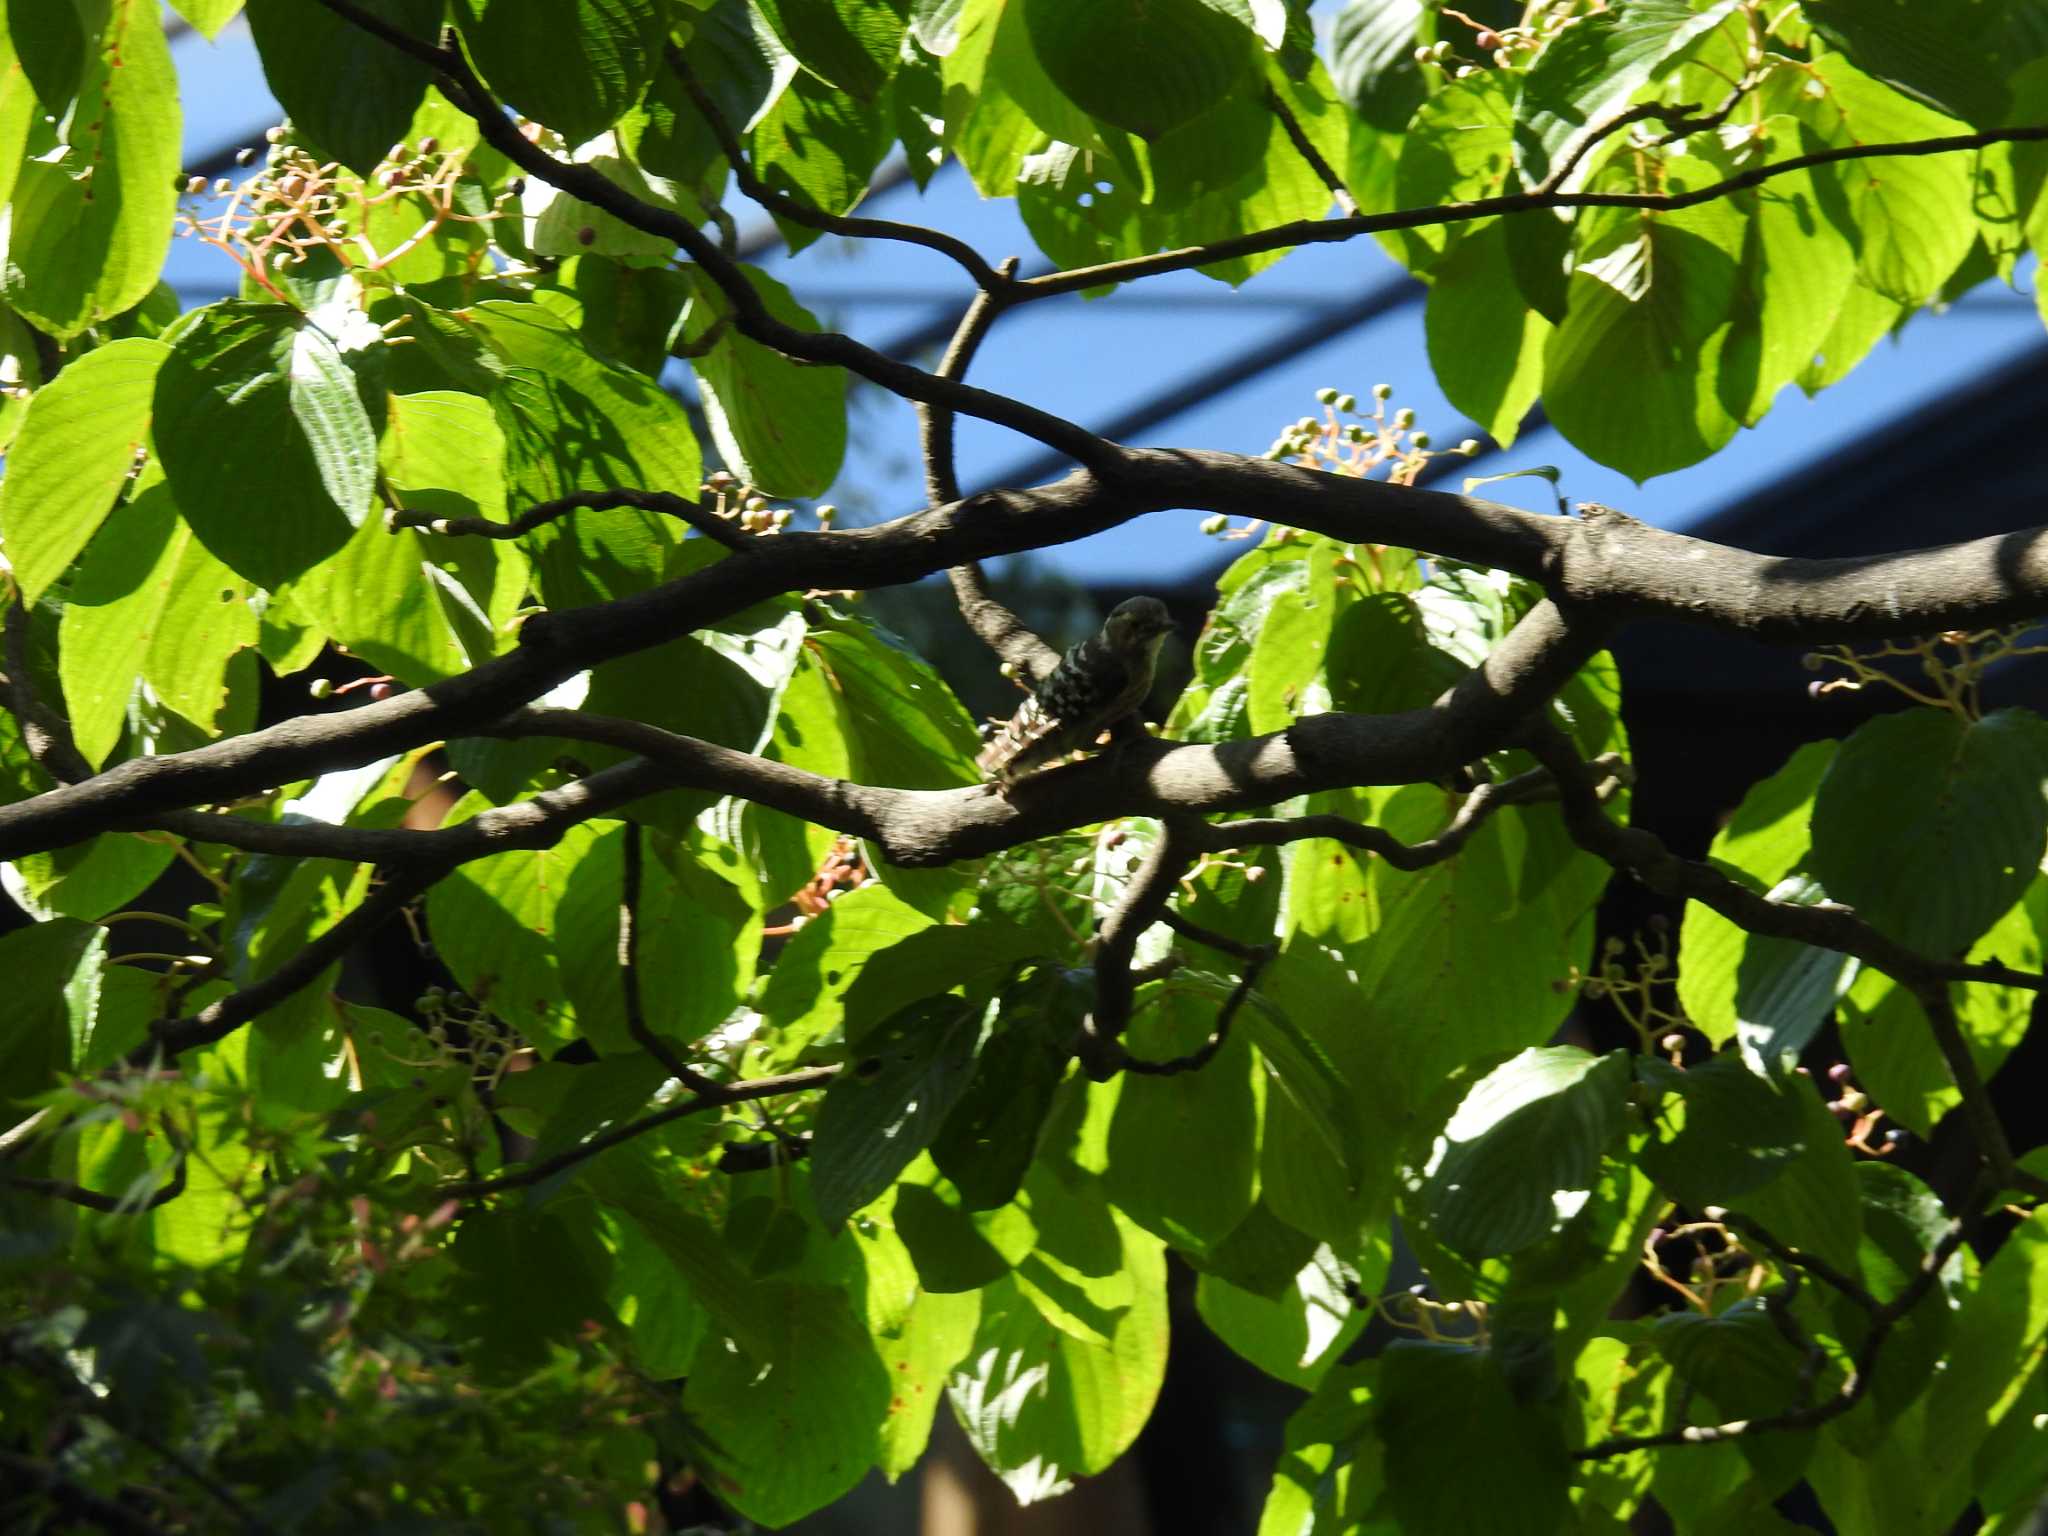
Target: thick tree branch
<point>618,1135</point>
<point>1607,566</point>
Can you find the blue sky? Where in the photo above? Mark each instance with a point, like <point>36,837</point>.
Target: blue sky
<point>1089,359</point>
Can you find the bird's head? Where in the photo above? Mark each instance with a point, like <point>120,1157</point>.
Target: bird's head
<point>1137,624</point>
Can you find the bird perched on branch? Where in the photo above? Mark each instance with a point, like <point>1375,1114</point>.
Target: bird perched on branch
<point>1096,684</point>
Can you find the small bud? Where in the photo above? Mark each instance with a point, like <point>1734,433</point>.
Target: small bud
<point>1815,690</point>
<point>1326,396</point>
<point>1383,392</point>
<point>429,144</point>
<point>1469,447</point>
<point>1439,50</point>
<point>1422,54</point>
<point>273,135</point>
<point>1215,523</point>
<point>1503,58</point>
<point>244,155</point>
<point>223,187</point>
<point>1347,402</point>
<point>1715,1213</point>
<point>380,691</point>
<point>195,186</point>
<point>1487,40</point>
<point>1254,874</point>
<point>1404,418</point>
<point>1465,71</point>
<point>1672,1042</point>
<point>1854,1101</point>
<point>587,235</point>
<point>320,688</point>
<point>1420,439</point>
<point>1839,1072</point>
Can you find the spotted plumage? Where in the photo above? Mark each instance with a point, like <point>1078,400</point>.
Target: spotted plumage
<point>1096,684</point>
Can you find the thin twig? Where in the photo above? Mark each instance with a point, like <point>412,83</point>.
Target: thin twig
<point>988,279</point>
<point>1201,1056</point>
<point>629,973</point>
<point>700,517</point>
<point>1883,1320</point>
<point>94,1200</point>
<point>1305,147</point>
<point>726,1093</point>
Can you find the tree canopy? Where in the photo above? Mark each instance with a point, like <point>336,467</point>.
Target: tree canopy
<point>524,1006</point>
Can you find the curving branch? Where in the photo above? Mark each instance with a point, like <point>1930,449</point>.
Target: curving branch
<point>1482,802</point>
<point>1827,925</point>
<point>1882,1320</point>
<point>988,279</point>
<point>1255,964</point>
<point>1144,902</point>
<point>1305,147</point>
<point>1000,629</point>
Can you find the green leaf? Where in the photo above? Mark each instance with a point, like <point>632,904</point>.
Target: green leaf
<point>1522,1150</point>
<point>1194,56</point>
<point>1183,1149</point>
<point>1588,71</point>
<point>208,16</point>
<point>1628,376</point>
<point>696,943</point>
<point>1485,344</point>
<point>989,1139</point>
<point>1740,1361</point>
<point>264,439</point>
<point>793,1425</point>
<point>1911,212</point>
<point>49,38</point>
<point>1797,268</point>
<point>576,65</point>
<point>1765,840</point>
<point>135,593</point>
<point>18,110</point>
<point>1738,1129</point>
<point>886,1107</point>
<point>494,924</point>
<point>1995,1348</point>
<point>573,422</point>
<point>90,225</point>
<point>806,993</point>
<point>1372,52</point>
<point>779,425</point>
<point>1306,1330</point>
<point>851,46</point>
<point>1456,150</point>
<point>1438,1400</point>
<point>350,96</point>
<point>902,724</point>
<point>1888,1040</point>
<point>820,146</point>
<point>1042,1406</point>
<point>76,447</point>
<point>919,1335</point>
<point>48,1011</point>
<point>1812,1203</point>
<point>1954,58</point>
<point>1331,1472</point>
<point>1931,825</point>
